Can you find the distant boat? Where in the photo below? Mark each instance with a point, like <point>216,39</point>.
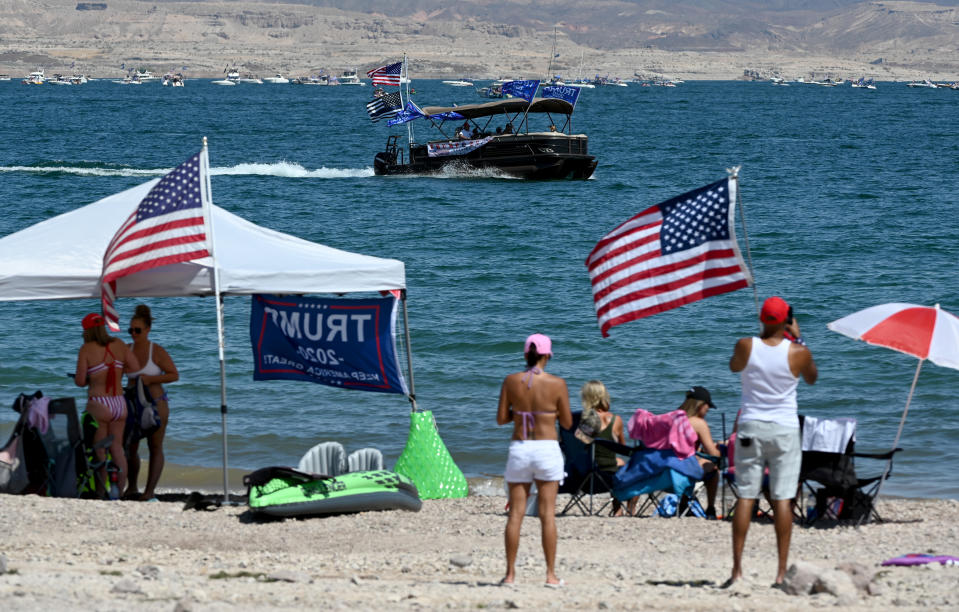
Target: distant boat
<point>459,83</point>
<point>34,78</point>
<point>277,80</point>
<point>252,79</point>
<point>4,77</point>
<point>922,83</point>
<point>349,78</point>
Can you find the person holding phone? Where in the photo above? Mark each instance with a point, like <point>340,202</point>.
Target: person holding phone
<point>768,425</point>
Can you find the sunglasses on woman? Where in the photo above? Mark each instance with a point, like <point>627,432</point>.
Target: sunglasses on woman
<point>135,330</point>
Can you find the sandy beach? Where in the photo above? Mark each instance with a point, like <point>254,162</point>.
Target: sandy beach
<point>77,554</point>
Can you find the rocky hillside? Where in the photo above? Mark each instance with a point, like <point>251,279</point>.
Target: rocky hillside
<point>690,38</point>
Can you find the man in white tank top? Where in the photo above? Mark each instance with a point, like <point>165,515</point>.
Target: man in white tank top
<point>767,433</point>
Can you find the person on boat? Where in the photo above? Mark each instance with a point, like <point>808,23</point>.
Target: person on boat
<point>508,129</point>
<point>499,130</point>
<point>101,362</point>
<point>465,132</point>
<point>552,128</point>
<point>158,369</point>
<point>595,398</point>
<point>697,404</point>
<point>533,401</point>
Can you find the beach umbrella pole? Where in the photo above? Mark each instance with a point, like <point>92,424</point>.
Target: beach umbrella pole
<point>895,443</point>
<point>409,353</point>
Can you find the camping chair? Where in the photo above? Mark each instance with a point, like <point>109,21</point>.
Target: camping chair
<point>54,456</point>
<point>584,478</point>
<point>326,458</point>
<point>761,509</point>
<point>664,464</point>
<point>364,460</point>
<point>828,473</point>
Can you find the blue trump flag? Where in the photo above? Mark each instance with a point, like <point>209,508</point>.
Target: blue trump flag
<point>521,89</point>
<point>346,343</point>
<point>563,92</point>
<point>452,115</point>
<point>406,115</point>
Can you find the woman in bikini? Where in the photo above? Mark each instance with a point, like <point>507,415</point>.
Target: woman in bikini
<point>533,401</point>
<point>100,365</point>
<point>158,368</point>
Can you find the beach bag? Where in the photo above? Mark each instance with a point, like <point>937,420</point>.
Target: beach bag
<point>668,505</point>
<point>590,424</point>
<point>13,468</point>
<point>142,416</point>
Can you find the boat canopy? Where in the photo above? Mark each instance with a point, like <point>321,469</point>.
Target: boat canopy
<point>499,107</point>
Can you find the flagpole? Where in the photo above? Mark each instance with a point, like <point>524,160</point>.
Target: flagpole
<point>409,128</point>
<point>734,176</point>
<point>409,353</point>
<point>208,205</point>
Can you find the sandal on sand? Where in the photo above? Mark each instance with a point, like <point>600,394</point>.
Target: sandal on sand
<point>503,583</point>
<point>556,585</point>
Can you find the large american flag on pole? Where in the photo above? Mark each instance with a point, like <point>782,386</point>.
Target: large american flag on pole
<point>168,226</point>
<point>673,253</point>
<point>386,75</point>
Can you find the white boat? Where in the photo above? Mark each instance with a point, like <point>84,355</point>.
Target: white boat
<point>459,83</point>
<point>59,79</point>
<point>4,77</point>
<point>145,75</point>
<point>34,78</point>
<point>922,83</point>
<point>349,78</point>
<point>251,79</point>
<point>227,82</point>
<point>232,78</point>
<point>129,80</point>
<point>278,79</point>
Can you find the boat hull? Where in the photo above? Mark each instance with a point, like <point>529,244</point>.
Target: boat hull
<point>352,492</point>
<point>533,156</point>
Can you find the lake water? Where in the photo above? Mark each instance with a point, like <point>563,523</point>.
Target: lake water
<point>850,200</point>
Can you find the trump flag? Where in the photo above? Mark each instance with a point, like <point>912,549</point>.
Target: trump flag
<point>673,253</point>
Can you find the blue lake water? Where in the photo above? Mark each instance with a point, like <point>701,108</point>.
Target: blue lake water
<point>850,200</point>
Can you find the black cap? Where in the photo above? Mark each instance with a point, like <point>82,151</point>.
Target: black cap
<point>701,394</point>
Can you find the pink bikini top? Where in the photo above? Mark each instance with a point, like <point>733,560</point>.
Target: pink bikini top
<point>528,419</point>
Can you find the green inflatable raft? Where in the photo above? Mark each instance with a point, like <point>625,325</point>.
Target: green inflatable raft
<point>281,491</point>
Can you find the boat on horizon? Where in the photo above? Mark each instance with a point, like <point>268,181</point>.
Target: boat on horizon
<point>279,79</point>
<point>552,153</point>
<point>252,79</point>
<point>349,77</point>
<point>459,83</point>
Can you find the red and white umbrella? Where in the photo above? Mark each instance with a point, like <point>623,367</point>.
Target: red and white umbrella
<point>926,332</point>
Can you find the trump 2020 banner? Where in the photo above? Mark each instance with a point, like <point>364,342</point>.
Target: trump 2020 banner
<point>343,343</point>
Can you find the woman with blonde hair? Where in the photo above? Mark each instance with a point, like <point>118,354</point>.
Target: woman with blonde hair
<point>608,426</point>
<point>101,362</point>
<point>158,369</point>
<point>697,404</point>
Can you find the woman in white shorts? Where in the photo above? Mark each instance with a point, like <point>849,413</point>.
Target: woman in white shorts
<point>533,401</point>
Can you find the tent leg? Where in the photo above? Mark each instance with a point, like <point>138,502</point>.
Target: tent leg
<point>409,353</point>
<point>219,328</point>
<point>895,444</point>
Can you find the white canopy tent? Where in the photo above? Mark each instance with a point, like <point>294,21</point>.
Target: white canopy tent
<point>249,259</point>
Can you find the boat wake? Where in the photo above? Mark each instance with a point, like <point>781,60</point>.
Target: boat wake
<point>461,171</point>
<point>280,169</point>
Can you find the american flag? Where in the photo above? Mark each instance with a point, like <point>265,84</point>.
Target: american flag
<point>167,227</point>
<point>674,253</point>
<point>386,75</point>
<point>384,107</point>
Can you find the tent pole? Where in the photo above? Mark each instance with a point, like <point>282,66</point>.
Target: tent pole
<point>409,353</point>
<point>208,203</point>
<point>895,443</point>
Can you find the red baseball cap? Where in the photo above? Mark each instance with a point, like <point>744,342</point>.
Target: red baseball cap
<point>92,320</point>
<point>775,310</point>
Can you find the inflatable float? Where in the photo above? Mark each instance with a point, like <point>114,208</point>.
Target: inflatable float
<point>282,491</point>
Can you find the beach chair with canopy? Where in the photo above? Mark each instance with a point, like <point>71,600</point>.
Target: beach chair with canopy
<point>584,478</point>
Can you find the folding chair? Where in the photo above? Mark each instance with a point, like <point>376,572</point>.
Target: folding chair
<point>654,473</point>
<point>54,456</point>
<point>828,473</point>
<point>584,478</point>
<point>761,509</point>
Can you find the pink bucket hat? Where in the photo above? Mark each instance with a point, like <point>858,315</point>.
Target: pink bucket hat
<point>544,346</point>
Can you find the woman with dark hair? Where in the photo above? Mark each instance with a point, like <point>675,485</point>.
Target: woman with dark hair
<point>101,362</point>
<point>697,404</point>
<point>533,401</point>
<point>158,368</point>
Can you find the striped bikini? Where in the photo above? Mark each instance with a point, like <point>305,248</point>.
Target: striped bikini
<point>115,403</point>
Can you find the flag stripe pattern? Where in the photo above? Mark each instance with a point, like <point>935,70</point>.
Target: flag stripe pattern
<point>674,253</point>
<point>386,75</point>
<point>167,227</point>
<point>384,107</point>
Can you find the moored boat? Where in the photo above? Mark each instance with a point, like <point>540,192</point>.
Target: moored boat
<point>349,78</point>
<point>516,150</point>
<point>459,83</point>
<point>279,79</point>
